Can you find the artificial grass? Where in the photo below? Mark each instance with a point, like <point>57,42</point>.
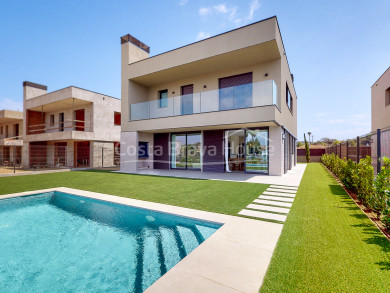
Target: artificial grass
<point>208,195</point>
<point>327,243</point>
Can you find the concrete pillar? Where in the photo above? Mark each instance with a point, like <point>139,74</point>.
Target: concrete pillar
<point>70,154</point>
<point>26,154</point>
<point>129,151</point>
<point>275,151</point>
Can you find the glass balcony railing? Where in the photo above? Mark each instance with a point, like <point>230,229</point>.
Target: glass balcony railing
<point>238,97</point>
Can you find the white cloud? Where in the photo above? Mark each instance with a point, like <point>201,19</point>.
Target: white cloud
<point>183,2</point>
<point>255,5</point>
<point>204,11</point>
<point>9,104</point>
<point>231,12</point>
<point>319,115</point>
<point>202,35</point>
<point>221,8</point>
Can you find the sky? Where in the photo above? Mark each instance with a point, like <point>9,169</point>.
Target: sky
<point>336,49</point>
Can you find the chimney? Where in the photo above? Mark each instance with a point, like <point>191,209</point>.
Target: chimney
<point>133,50</point>
<point>32,90</point>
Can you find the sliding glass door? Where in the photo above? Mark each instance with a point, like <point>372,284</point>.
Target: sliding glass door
<point>185,151</point>
<point>256,150</point>
<point>246,150</point>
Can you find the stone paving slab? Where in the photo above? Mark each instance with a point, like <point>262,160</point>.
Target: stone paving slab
<point>267,208</point>
<point>279,194</point>
<point>284,187</point>
<point>273,203</point>
<point>281,190</point>
<point>269,197</point>
<point>263,215</point>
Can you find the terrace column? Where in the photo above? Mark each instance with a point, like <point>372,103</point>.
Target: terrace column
<point>129,151</point>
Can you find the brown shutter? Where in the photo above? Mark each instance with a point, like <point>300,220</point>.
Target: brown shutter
<point>161,151</point>
<point>235,80</point>
<point>213,141</point>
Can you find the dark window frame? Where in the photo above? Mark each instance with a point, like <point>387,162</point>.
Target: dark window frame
<point>116,114</point>
<point>61,124</point>
<point>52,120</point>
<point>163,102</point>
<point>289,99</point>
<point>387,97</point>
<point>143,149</point>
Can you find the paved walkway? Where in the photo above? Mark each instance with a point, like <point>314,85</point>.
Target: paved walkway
<point>291,178</point>
<point>273,205</point>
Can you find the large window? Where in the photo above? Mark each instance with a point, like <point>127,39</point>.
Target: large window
<point>235,92</point>
<point>256,152</point>
<point>163,98</point>
<point>185,151</point>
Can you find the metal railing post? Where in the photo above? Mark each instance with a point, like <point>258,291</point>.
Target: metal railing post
<point>378,150</point>
<point>357,149</point>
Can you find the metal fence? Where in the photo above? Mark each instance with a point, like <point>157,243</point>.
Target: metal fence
<point>375,144</point>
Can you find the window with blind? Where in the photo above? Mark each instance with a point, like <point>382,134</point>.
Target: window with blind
<point>235,92</point>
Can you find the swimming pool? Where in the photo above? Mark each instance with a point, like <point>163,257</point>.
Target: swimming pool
<point>57,241</point>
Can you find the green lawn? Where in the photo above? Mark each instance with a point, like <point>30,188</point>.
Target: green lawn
<point>208,195</point>
<point>327,243</point>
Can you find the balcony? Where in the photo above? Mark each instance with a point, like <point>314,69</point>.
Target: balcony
<point>70,125</point>
<point>231,98</point>
<point>11,141</point>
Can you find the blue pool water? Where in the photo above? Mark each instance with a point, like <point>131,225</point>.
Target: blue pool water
<point>57,242</point>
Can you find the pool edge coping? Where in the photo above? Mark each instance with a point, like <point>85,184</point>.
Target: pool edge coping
<point>234,259</point>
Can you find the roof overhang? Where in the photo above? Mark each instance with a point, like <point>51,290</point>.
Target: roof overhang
<point>8,116</point>
<point>61,104</point>
<point>259,53</point>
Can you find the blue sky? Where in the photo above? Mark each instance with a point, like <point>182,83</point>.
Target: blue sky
<point>336,49</point>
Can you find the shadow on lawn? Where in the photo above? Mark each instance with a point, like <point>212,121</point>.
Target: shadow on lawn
<point>375,236</point>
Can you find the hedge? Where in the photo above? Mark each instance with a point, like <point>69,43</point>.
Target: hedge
<point>372,191</point>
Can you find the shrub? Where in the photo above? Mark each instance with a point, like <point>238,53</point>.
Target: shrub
<point>307,149</point>
<point>374,192</point>
<point>381,198</point>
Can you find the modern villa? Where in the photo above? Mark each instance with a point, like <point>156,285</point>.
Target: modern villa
<point>223,104</point>
<point>70,127</point>
<point>11,141</point>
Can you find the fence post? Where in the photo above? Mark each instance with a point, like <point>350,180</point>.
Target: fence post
<point>378,150</point>
<point>340,151</point>
<point>102,155</point>
<point>357,149</point>
<point>347,150</point>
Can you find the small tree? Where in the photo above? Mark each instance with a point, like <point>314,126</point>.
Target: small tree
<point>307,149</point>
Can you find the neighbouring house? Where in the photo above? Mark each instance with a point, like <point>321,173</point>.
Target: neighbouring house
<point>380,118</point>
<point>70,127</point>
<point>11,142</point>
<point>223,104</point>
<point>380,102</point>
